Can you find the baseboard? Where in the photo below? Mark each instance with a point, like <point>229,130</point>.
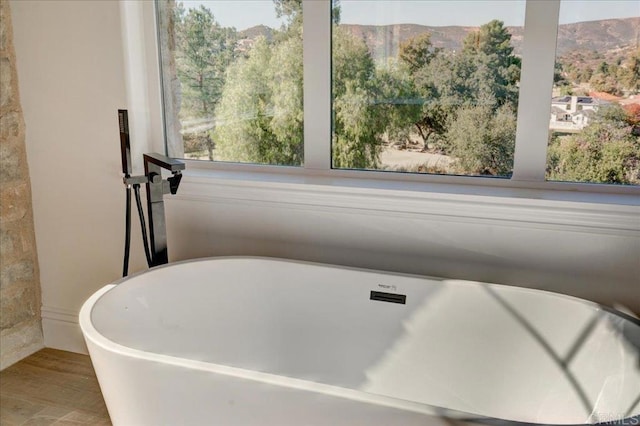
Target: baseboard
<point>62,330</point>
<point>20,355</point>
<point>19,342</point>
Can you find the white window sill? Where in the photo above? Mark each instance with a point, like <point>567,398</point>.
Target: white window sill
<point>499,200</point>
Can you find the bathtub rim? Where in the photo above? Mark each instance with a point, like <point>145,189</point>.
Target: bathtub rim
<point>91,333</point>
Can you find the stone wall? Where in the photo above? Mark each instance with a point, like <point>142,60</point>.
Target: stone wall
<point>20,321</point>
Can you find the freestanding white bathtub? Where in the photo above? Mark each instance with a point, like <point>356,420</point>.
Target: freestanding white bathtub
<point>259,341</point>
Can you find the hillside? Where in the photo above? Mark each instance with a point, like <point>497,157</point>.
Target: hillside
<point>255,32</point>
<point>610,35</point>
<point>601,36</point>
<point>611,38</point>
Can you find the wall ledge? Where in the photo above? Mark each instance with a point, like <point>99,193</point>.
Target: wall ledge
<point>614,214</point>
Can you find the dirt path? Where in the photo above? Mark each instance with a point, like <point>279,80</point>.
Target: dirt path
<point>395,158</point>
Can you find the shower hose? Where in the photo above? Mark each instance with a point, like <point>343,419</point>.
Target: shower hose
<point>143,227</point>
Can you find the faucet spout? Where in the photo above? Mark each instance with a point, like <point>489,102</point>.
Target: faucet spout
<point>163,162</point>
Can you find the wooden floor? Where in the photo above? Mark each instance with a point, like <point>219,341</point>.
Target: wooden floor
<point>51,387</point>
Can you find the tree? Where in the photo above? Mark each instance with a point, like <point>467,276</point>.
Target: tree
<point>285,84</point>
<point>484,72</point>
<point>606,151</point>
<point>204,51</point>
<point>497,70</point>
<point>398,102</point>
<point>417,52</point>
<point>261,113</point>
<point>358,124</point>
<point>482,141</point>
<point>491,38</point>
<point>260,118</point>
<point>243,130</point>
<point>602,82</point>
<point>292,9</point>
<point>440,87</point>
<point>416,57</point>
<point>629,72</point>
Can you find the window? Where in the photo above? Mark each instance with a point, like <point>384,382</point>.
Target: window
<point>394,86</point>
<point>420,87</point>
<point>597,77</point>
<point>235,70</point>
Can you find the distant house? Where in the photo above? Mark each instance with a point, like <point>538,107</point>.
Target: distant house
<point>572,113</point>
<point>244,45</point>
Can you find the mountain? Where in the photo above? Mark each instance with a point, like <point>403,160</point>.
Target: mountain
<point>609,34</point>
<point>255,32</point>
<point>601,36</point>
<point>611,37</point>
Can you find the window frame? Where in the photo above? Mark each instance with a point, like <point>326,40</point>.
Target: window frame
<point>536,83</point>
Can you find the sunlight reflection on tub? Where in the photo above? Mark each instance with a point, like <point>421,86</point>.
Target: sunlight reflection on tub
<point>514,354</point>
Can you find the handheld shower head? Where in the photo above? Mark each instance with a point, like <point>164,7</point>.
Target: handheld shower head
<point>125,142</point>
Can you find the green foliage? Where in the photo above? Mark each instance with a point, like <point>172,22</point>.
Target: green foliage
<point>606,151</point>
<point>614,75</point>
<point>491,38</point>
<point>356,139</point>
<point>357,123</point>
<point>351,61</point>
<point>292,9</point>
<point>461,103</point>
<point>260,113</point>
<point>629,72</point>
<point>420,61</point>
<point>244,107</point>
<point>398,102</point>
<point>204,50</point>
<point>497,70</point>
<point>482,140</point>
<point>560,80</point>
<point>285,83</point>
<point>602,82</point>
<point>484,73</point>
<point>417,52</point>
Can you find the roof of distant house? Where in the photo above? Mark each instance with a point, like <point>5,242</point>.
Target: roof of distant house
<point>585,112</point>
<point>558,110</point>
<point>582,100</point>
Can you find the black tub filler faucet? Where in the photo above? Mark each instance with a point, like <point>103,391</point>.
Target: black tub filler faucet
<point>156,187</point>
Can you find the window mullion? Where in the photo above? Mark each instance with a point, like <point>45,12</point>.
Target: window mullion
<point>536,84</point>
<point>317,83</point>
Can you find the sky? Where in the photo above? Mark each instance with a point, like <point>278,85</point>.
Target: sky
<point>243,14</point>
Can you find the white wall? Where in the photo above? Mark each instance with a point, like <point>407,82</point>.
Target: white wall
<point>71,75</point>
<point>578,248</point>
<point>74,74</point>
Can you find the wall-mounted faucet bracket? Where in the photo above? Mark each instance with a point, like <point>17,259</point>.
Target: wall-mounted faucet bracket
<point>135,180</point>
